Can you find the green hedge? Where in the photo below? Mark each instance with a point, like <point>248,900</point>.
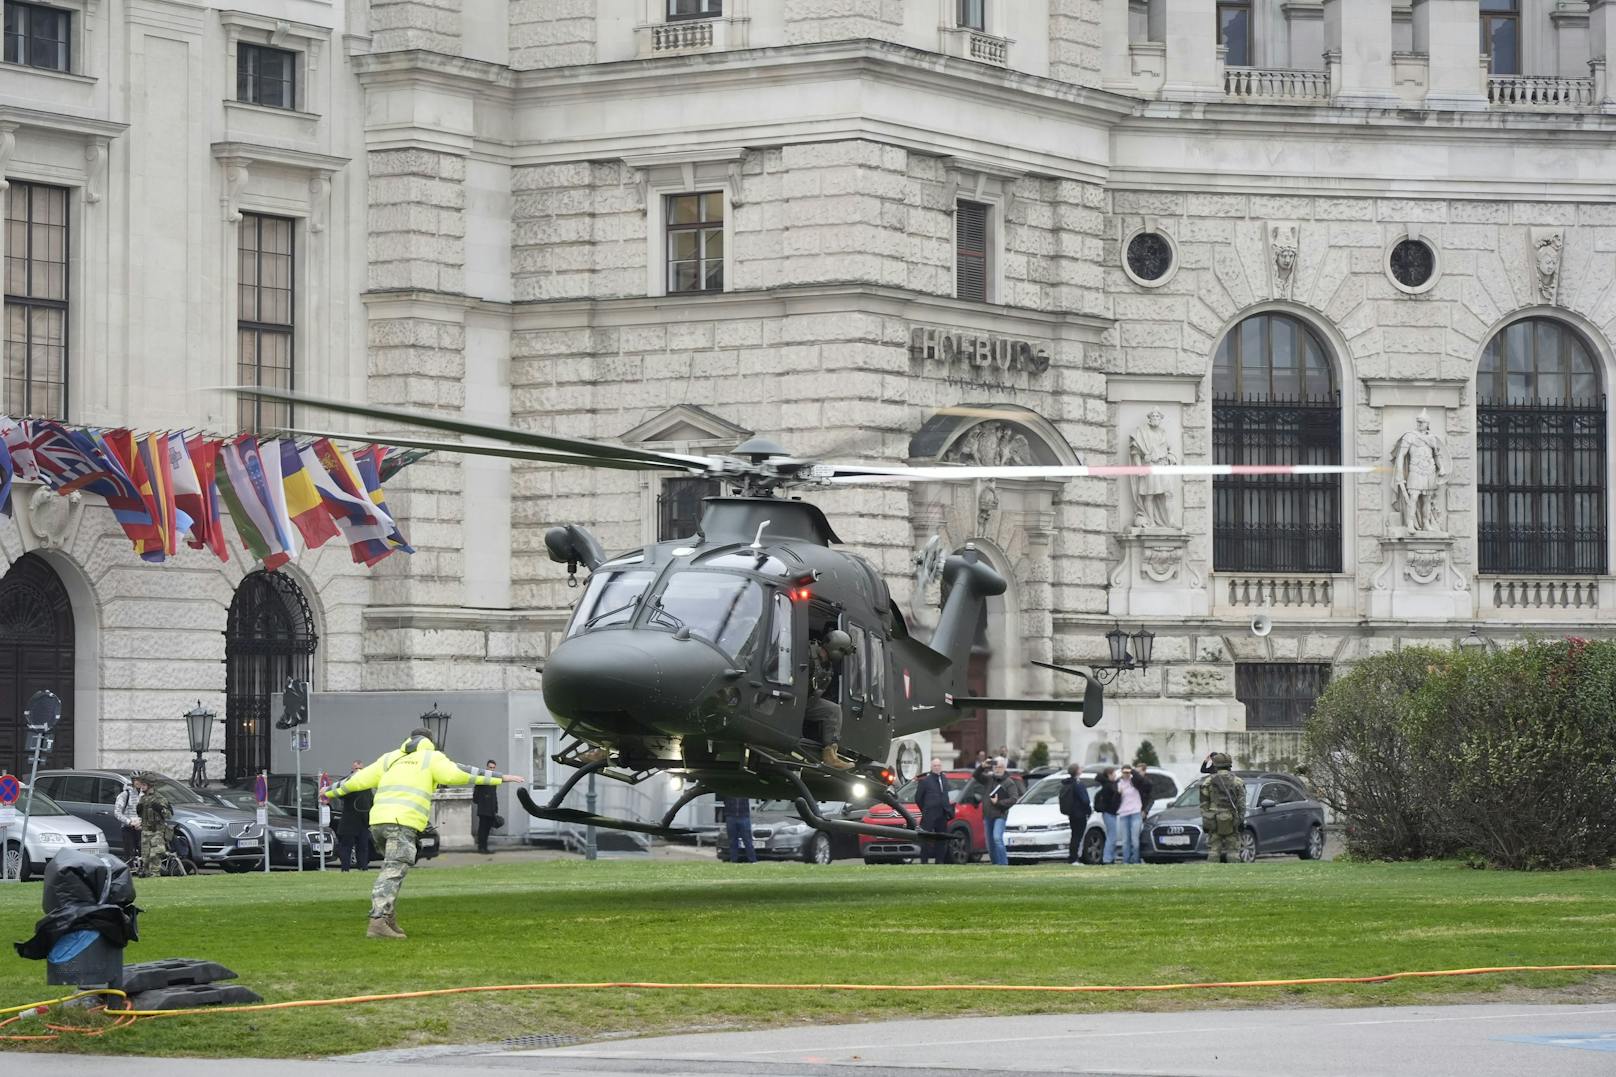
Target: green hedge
<point>1508,757</point>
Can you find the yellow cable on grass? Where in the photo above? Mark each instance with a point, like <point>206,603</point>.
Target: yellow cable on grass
<point>126,1017</point>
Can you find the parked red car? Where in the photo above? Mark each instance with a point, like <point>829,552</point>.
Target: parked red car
<point>970,840</point>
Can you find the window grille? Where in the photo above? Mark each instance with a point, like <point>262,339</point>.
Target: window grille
<point>1540,453</point>
<point>1279,695</point>
<point>1275,402</point>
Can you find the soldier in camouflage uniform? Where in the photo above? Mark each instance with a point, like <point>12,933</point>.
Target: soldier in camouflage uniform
<point>155,815</point>
<point>1223,808</point>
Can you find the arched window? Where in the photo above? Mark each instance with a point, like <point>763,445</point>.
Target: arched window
<point>1540,452</point>
<point>36,653</point>
<point>1275,401</point>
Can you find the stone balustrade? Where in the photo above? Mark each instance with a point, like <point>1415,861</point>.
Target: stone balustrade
<point>1528,593</point>
<point>1276,86</point>
<point>1535,93</point>
<point>1279,592</point>
<point>987,49</point>
<point>682,36</point>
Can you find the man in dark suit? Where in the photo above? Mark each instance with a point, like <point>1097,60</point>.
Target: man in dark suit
<point>738,825</point>
<point>486,804</point>
<point>936,809</point>
<point>353,827</point>
<point>1076,806</point>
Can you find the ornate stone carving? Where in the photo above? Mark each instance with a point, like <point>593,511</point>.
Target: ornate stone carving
<point>1282,242</point>
<point>1547,245</point>
<point>1424,565</point>
<point>319,200</point>
<point>50,516</point>
<point>235,181</point>
<point>1160,563</point>
<point>95,169</point>
<point>1420,467</point>
<point>990,444</point>
<point>1150,444</point>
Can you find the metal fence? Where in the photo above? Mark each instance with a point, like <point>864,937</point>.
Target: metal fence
<point>1540,487</point>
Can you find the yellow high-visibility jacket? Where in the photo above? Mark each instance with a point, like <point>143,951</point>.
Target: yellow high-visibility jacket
<point>405,780</point>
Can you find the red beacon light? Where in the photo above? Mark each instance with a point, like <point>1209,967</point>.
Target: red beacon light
<point>887,777</point>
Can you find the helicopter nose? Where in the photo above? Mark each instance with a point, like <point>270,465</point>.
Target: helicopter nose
<point>640,676</point>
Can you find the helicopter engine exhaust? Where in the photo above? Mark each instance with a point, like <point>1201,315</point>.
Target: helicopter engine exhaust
<point>969,582</point>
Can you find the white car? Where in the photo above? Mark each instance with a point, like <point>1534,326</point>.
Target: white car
<point>1034,828</point>
<point>50,830</point>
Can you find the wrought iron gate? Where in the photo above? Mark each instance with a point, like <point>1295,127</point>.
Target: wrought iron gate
<point>1277,523</point>
<point>36,652</point>
<point>269,640</point>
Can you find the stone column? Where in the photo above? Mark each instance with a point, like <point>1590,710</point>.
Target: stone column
<point>1116,61</point>
<point>1602,51</point>
<point>1447,31</point>
<point>1191,29</point>
<point>1358,43</point>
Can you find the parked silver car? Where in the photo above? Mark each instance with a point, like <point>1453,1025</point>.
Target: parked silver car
<point>50,830</point>
<point>205,832</point>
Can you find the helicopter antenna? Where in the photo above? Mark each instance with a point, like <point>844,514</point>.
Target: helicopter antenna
<point>757,543</point>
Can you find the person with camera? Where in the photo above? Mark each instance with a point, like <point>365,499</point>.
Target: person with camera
<point>1076,806</point>
<point>1107,800</point>
<point>1133,799</point>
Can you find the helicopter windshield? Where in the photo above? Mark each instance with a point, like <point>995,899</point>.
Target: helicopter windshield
<point>610,599</point>
<point>718,607</point>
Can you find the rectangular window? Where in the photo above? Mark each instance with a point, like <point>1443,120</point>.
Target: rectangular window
<point>539,764</point>
<point>1234,33</point>
<point>973,14</point>
<point>971,251</point>
<point>878,671</point>
<point>1501,36</point>
<point>778,659</point>
<point>264,289</point>
<point>266,76</point>
<point>1279,695</point>
<point>696,242</point>
<point>679,506</point>
<point>854,665</point>
<point>36,300</point>
<point>39,36</point>
<point>694,9</point>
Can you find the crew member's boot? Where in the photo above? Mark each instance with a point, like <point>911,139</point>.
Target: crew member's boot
<point>392,922</point>
<point>381,927</point>
<point>834,761</point>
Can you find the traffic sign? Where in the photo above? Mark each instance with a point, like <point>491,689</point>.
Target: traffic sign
<point>261,789</point>
<point>300,740</point>
<point>10,790</point>
<point>44,710</point>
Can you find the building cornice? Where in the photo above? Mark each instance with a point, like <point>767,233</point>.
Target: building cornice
<point>905,306</point>
<point>61,123</point>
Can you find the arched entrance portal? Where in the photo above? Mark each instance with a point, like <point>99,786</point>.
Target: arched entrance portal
<point>269,639</point>
<point>36,652</point>
<point>1011,523</point>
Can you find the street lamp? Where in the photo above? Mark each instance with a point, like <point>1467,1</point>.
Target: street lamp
<point>1142,643</point>
<point>436,722</point>
<point>199,726</point>
<point>1473,643</point>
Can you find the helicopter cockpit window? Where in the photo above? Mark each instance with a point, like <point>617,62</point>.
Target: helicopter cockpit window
<point>778,660</point>
<point>855,664</point>
<point>761,562</point>
<point>720,608</point>
<point>610,599</point>
<point>877,665</point>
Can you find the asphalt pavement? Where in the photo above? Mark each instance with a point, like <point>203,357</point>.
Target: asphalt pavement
<point>1432,1041</point>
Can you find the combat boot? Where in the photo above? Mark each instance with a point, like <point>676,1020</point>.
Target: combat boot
<point>381,927</point>
<point>392,922</point>
<point>834,761</point>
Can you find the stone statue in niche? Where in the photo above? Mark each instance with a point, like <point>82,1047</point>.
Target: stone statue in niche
<point>1547,246</point>
<point>990,444</point>
<point>1282,238</point>
<point>1420,467</point>
<point>1152,494</point>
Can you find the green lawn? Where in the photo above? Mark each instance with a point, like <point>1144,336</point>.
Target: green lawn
<point>292,936</point>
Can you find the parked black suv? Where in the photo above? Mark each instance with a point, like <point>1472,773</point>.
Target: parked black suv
<point>205,832</point>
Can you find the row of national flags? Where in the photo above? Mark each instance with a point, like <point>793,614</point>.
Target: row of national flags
<point>177,486</point>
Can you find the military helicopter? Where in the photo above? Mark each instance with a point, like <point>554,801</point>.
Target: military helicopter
<point>701,656</point>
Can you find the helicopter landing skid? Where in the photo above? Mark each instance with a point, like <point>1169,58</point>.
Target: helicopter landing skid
<point>583,818</point>
<point>808,811</point>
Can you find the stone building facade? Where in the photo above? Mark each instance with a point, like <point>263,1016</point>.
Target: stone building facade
<point>1175,229</point>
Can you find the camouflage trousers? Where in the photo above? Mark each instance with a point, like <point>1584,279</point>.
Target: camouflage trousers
<point>1222,836</point>
<point>397,843</point>
<point>153,848</point>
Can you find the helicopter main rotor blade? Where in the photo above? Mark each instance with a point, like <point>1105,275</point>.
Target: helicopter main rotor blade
<point>849,475</point>
<point>580,446</point>
<point>510,452</point>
